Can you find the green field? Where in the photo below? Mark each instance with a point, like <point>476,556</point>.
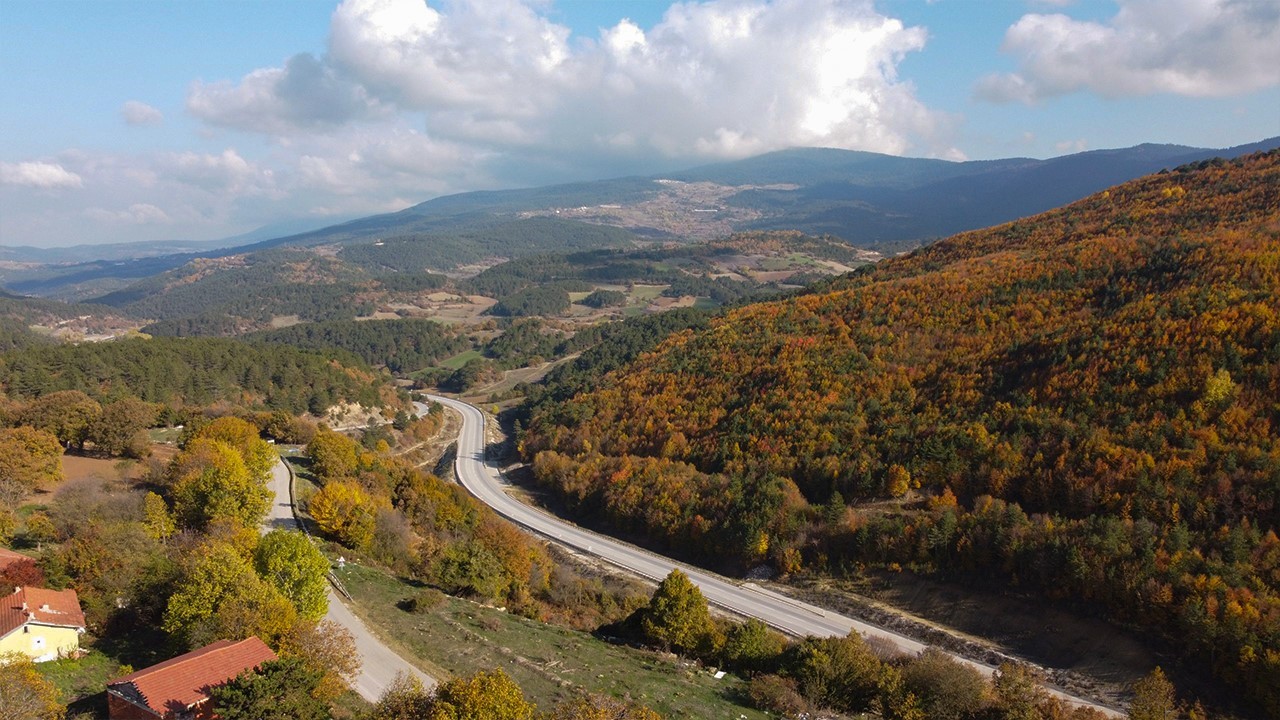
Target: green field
<point>548,662</point>
<point>461,359</point>
<point>647,293</point>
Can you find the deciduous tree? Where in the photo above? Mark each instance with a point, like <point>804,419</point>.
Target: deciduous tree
<point>328,647</point>
<point>121,428</point>
<point>1153,698</point>
<point>258,455</point>
<point>24,693</point>
<point>288,560</point>
<point>677,616</point>
<point>491,695</point>
<point>210,481</point>
<point>29,457</point>
<point>220,596</point>
<point>68,414</point>
<point>345,512</point>
<point>333,455</point>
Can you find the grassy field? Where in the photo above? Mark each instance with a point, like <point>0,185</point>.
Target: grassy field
<point>82,682</point>
<point>461,359</point>
<point>646,293</point>
<point>548,662</point>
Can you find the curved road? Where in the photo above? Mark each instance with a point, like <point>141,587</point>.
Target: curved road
<point>379,664</point>
<point>784,613</point>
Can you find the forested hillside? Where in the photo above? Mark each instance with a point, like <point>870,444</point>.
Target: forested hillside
<point>1083,404</point>
<point>256,287</point>
<point>401,345</point>
<point>194,371</point>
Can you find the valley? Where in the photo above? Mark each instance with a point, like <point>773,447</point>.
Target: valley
<point>868,435</point>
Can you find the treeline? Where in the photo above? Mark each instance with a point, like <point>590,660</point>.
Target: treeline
<point>15,335</point>
<point>194,371</point>
<point>782,242</point>
<point>686,269</point>
<point>816,676</point>
<point>256,287</point>
<point>401,346</point>
<point>1079,403</point>
<point>450,247</point>
<point>606,348</point>
<point>548,299</point>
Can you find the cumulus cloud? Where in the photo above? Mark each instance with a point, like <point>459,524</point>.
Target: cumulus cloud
<point>305,93</point>
<point>729,79</point>
<point>38,175</point>
<point>714,79</point>
<point>1199,48</point>
<point>495,56</point>
<point>138,113</point>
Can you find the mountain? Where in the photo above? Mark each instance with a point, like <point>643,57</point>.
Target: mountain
<point>866,199</point>
<point>113,252</point>
<point>1080,404</point>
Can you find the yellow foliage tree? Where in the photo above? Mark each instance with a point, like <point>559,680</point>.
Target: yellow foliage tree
<point>24,693</point>
<point>345,512</point>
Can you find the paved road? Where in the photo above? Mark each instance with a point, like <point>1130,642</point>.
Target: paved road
<point>379,664</point>
<point>786,614</point>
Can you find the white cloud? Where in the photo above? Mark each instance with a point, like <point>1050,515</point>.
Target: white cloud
<point>227,172</point>
<point>138,113</point>
<point>491,56</point>
<point>38,175</point>
<point>729,79</point>
<point>714,79</point>
<point>305,93</point>
<point>1198,48</point>
<point>136,214</point>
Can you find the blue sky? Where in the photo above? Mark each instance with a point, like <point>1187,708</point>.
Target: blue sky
<point>148,120</point>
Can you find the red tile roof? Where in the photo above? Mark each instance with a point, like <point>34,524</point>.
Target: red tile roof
<point>9,557</point>
<point>184,681</point>
<point>38,605</point>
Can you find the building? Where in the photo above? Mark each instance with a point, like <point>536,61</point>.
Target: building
<point>9,557</point>
<point>41,624</point>
<point>178,689</point>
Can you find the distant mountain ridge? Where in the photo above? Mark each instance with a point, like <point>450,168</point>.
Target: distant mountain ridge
<point>867,199</point>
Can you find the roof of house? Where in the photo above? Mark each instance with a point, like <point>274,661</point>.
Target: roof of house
<point>39,605</point>
<point>181,682</point>
<point>9,557</point>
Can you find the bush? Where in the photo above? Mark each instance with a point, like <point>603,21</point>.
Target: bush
<point>425,601</point>
<point>776,694</point>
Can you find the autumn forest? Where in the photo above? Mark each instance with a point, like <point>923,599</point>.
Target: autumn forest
<point>1083,404</point>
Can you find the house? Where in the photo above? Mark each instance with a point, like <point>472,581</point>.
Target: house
<point>41,624</point>
<point>178,689</point>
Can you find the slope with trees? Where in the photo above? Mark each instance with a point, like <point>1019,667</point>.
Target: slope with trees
<point>1081,403</point>
<point>194,371</point>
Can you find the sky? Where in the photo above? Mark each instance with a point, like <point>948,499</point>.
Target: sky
<point>138,120</point>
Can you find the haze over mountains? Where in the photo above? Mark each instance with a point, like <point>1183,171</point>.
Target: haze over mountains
<point>867,199</point>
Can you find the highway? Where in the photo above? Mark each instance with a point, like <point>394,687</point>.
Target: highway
<point>786,614</point>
